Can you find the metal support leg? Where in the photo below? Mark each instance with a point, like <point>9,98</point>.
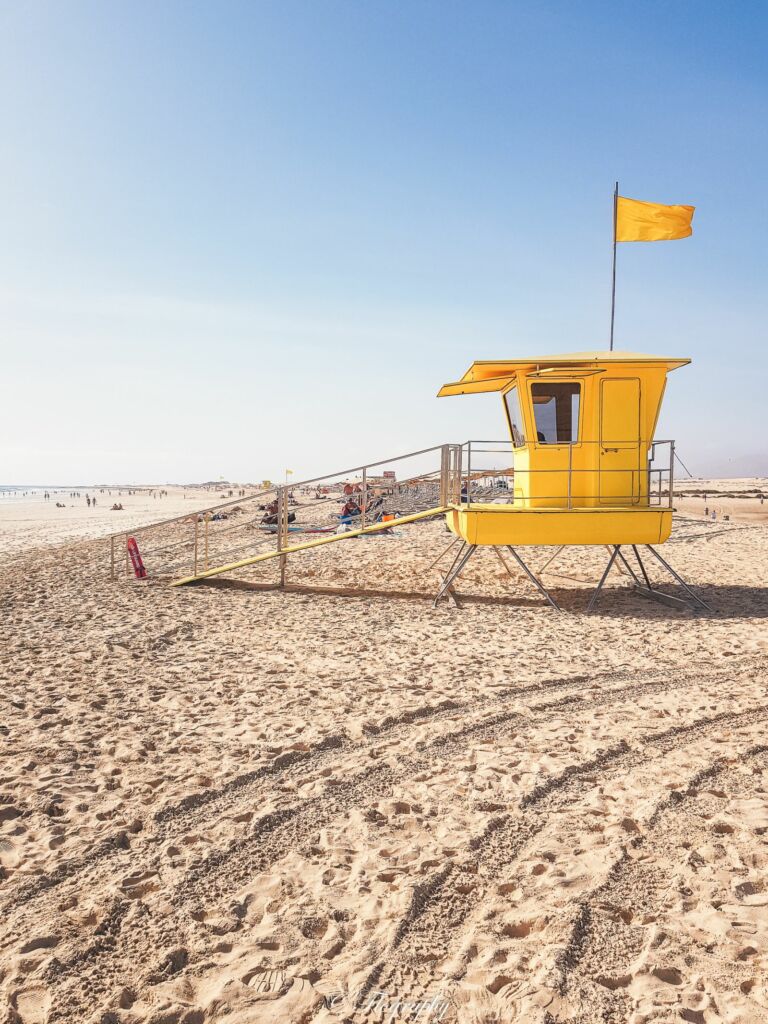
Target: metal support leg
<point>603,578</point>
<point>441,556</point>
<point>629,568</point>
<point>539,586</point>
<point>619,560</point>
<point>501,559</point>
<point>642,567</point>
<point>551,559</point>
<point>451,597</point>
<point>648,590</point>
<point>465,553</point>
<point>456,558</point>
<point>680,580</point>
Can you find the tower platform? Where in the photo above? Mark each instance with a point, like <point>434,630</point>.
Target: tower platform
<point>489,524</point>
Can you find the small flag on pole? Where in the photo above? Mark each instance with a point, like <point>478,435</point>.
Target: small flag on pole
<point>637,221</point>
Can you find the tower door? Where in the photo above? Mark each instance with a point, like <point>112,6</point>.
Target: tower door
<point>620,445</point>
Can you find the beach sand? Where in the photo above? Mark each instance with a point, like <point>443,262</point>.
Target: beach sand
<point>225,803</point>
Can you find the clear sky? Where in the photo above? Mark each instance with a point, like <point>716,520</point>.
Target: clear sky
<point>239,237</point>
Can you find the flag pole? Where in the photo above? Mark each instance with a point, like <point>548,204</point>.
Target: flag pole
<point>613,285</point>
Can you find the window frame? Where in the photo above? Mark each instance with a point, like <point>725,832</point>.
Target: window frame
<point>526,431</point>
<point>580,418</point>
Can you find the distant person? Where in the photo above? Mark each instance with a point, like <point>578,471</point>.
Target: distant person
<point>93,499</point>
<point>270,518</point>
<point>350,511</point>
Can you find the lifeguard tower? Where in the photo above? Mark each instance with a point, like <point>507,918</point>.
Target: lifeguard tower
<point>582,431</point>
<point>586,471</point>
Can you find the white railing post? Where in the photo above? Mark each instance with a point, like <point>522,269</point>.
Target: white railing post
<point>445,469</point>
<point>195,547</point>
<point>282,529</point>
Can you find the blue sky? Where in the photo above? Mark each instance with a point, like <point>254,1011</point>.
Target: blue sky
<point>244,236</point>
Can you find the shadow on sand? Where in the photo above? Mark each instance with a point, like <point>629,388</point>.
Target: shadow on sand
<point>726,602</point>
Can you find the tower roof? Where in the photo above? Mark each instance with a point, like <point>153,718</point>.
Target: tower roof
<point>495,374</point>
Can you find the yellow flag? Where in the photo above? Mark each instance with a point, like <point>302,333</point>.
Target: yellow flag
<point>651,222</point>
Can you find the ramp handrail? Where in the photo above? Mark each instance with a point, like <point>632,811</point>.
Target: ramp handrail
<point>308,545</point>
<point>271,490</point>
<point>455,478</point>
<point>197,543</point>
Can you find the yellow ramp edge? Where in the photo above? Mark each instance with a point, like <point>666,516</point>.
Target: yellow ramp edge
<point>377,528</point>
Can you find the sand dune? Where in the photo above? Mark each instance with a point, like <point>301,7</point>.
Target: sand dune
<point>224,803</point>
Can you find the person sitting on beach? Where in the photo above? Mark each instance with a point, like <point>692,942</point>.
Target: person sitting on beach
<point>350,511</point>
<point>270,517</point>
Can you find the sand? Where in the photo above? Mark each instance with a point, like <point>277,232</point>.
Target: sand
<point>226,803</point>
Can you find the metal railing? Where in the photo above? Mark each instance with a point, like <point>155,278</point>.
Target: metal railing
<point>449,474</point>
<point>650,479</point>
<point>193,542</point>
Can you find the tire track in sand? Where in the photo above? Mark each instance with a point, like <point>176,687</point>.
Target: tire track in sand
<point>615,936</point>
<point>130,931</point>
<point>442,903</point>
<point>246,790</point>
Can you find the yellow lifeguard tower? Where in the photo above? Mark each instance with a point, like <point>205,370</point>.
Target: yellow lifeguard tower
<point>582,431</point>
<point>586,471</point>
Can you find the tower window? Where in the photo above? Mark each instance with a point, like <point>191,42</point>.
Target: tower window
<point>556,412</point>
<point>515,418</point>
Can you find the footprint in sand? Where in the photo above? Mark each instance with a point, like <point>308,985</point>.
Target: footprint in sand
<point>31,1005</point>
<point>140,884</point>
<point>520,929</point>
<point>759,993</point>
<point>266,981</point>
<point>9,854</point>
<point>42,942</point>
